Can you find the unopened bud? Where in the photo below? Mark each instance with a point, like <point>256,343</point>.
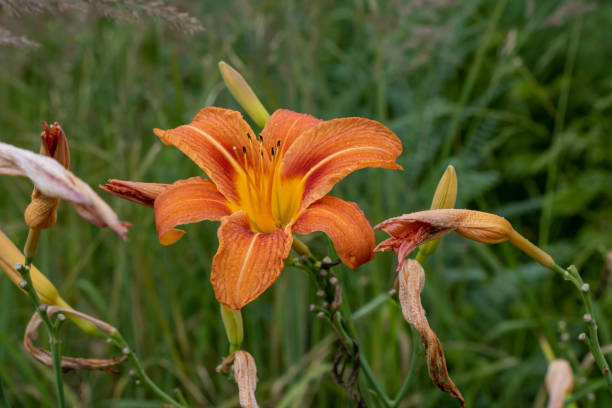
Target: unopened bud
<point>232,321</point>
<point>323,272</point>
<point>23,284</point>
<point>312,308</point>
<point>587,318</point>
<point>243,94</point>
<point>320,315</point>
<point>320,293</point>
<point>333,280</point>
<point>126,350</point>
<point>61,317</point>
<point>392,292</point>
<point>132,372</point>
<point>585,287</point>
<point>582,336</point>
<point>324,304</point>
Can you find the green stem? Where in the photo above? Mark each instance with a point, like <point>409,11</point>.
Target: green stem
<point>56,352</point>
<point>120,342</point>
<point>300,247</point>
<point>52,329</point>
<point>592,339</point>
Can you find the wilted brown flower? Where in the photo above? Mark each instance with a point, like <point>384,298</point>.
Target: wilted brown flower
<point>54,181</point>
<point>69,363</point>
<point>411,282</point>
<point>245,373</point>
<point>41,213</point>
<point>411,230</point>
<point>141,193</point>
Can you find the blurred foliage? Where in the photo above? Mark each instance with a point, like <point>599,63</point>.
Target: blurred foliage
<point>517,95</point>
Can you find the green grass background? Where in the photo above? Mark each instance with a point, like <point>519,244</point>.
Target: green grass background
<point>521,107</point>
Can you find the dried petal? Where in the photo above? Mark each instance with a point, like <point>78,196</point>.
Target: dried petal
<point>68,363</point>
<point>245,373</point>
<point>411,282</point>
<point>56,182</point>
<point>419,227</point>
<point>138,192</point>
<point>559,382</point>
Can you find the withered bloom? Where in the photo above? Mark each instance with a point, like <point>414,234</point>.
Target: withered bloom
<point>245,373</point>
<point>53,182</point>
<point>411,283</point>
<point>41,213</point>
<point>411,230</point>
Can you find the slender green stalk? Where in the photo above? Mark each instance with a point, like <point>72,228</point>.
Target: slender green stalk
<point>52,329</point>
<point>120,342</point>
<point>591,339</point>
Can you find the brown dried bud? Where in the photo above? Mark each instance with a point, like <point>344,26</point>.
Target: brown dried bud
<point>41,213</point>
<point>411,282</point>
<point>141,193</point>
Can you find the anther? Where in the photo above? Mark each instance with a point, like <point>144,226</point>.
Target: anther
<point>250,139</point>
<point>272,151</point>
<point>278,144</point>
<point>243,150</point>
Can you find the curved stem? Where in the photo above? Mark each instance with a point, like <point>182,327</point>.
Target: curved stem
<point>52,329</point>
<point>592,339</point>
<point>120,342</point>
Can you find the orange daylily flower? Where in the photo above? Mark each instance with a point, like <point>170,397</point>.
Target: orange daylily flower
<point>264,187</point>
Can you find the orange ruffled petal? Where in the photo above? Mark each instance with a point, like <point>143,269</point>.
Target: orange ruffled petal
<point>345,224</point>
<point>331,150</point>
<point>184,202</point>
<point>214,140</point>
<point>286,126</point>
<point>247,263</point>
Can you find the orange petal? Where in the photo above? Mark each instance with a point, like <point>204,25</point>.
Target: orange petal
<point>329,151</point>
<point>286,126</point>
<point>141,193</point>
<point>185,202</point>
<point>345,224</point>
<point>247,263</point>
<point>214,140</point>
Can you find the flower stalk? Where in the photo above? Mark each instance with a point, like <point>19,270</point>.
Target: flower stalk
<point>591,339</point>
<point>52,329</point>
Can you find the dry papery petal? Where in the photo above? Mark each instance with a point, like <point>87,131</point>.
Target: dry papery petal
<point>411,282</point>
<point>54,181</point>
<point>245,373</point>
<point>559,382</point>
<point>138,192</point>
<point>68,363</point>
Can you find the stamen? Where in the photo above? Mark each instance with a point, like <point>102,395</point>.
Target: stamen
<point>278,144</point>
<point>272,151</point>
<point>249,137</point>
<point>244,150</point>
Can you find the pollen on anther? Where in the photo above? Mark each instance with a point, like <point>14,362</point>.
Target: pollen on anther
<point>278,144</point>
<point>272,151</point>
<point>243,150</point>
